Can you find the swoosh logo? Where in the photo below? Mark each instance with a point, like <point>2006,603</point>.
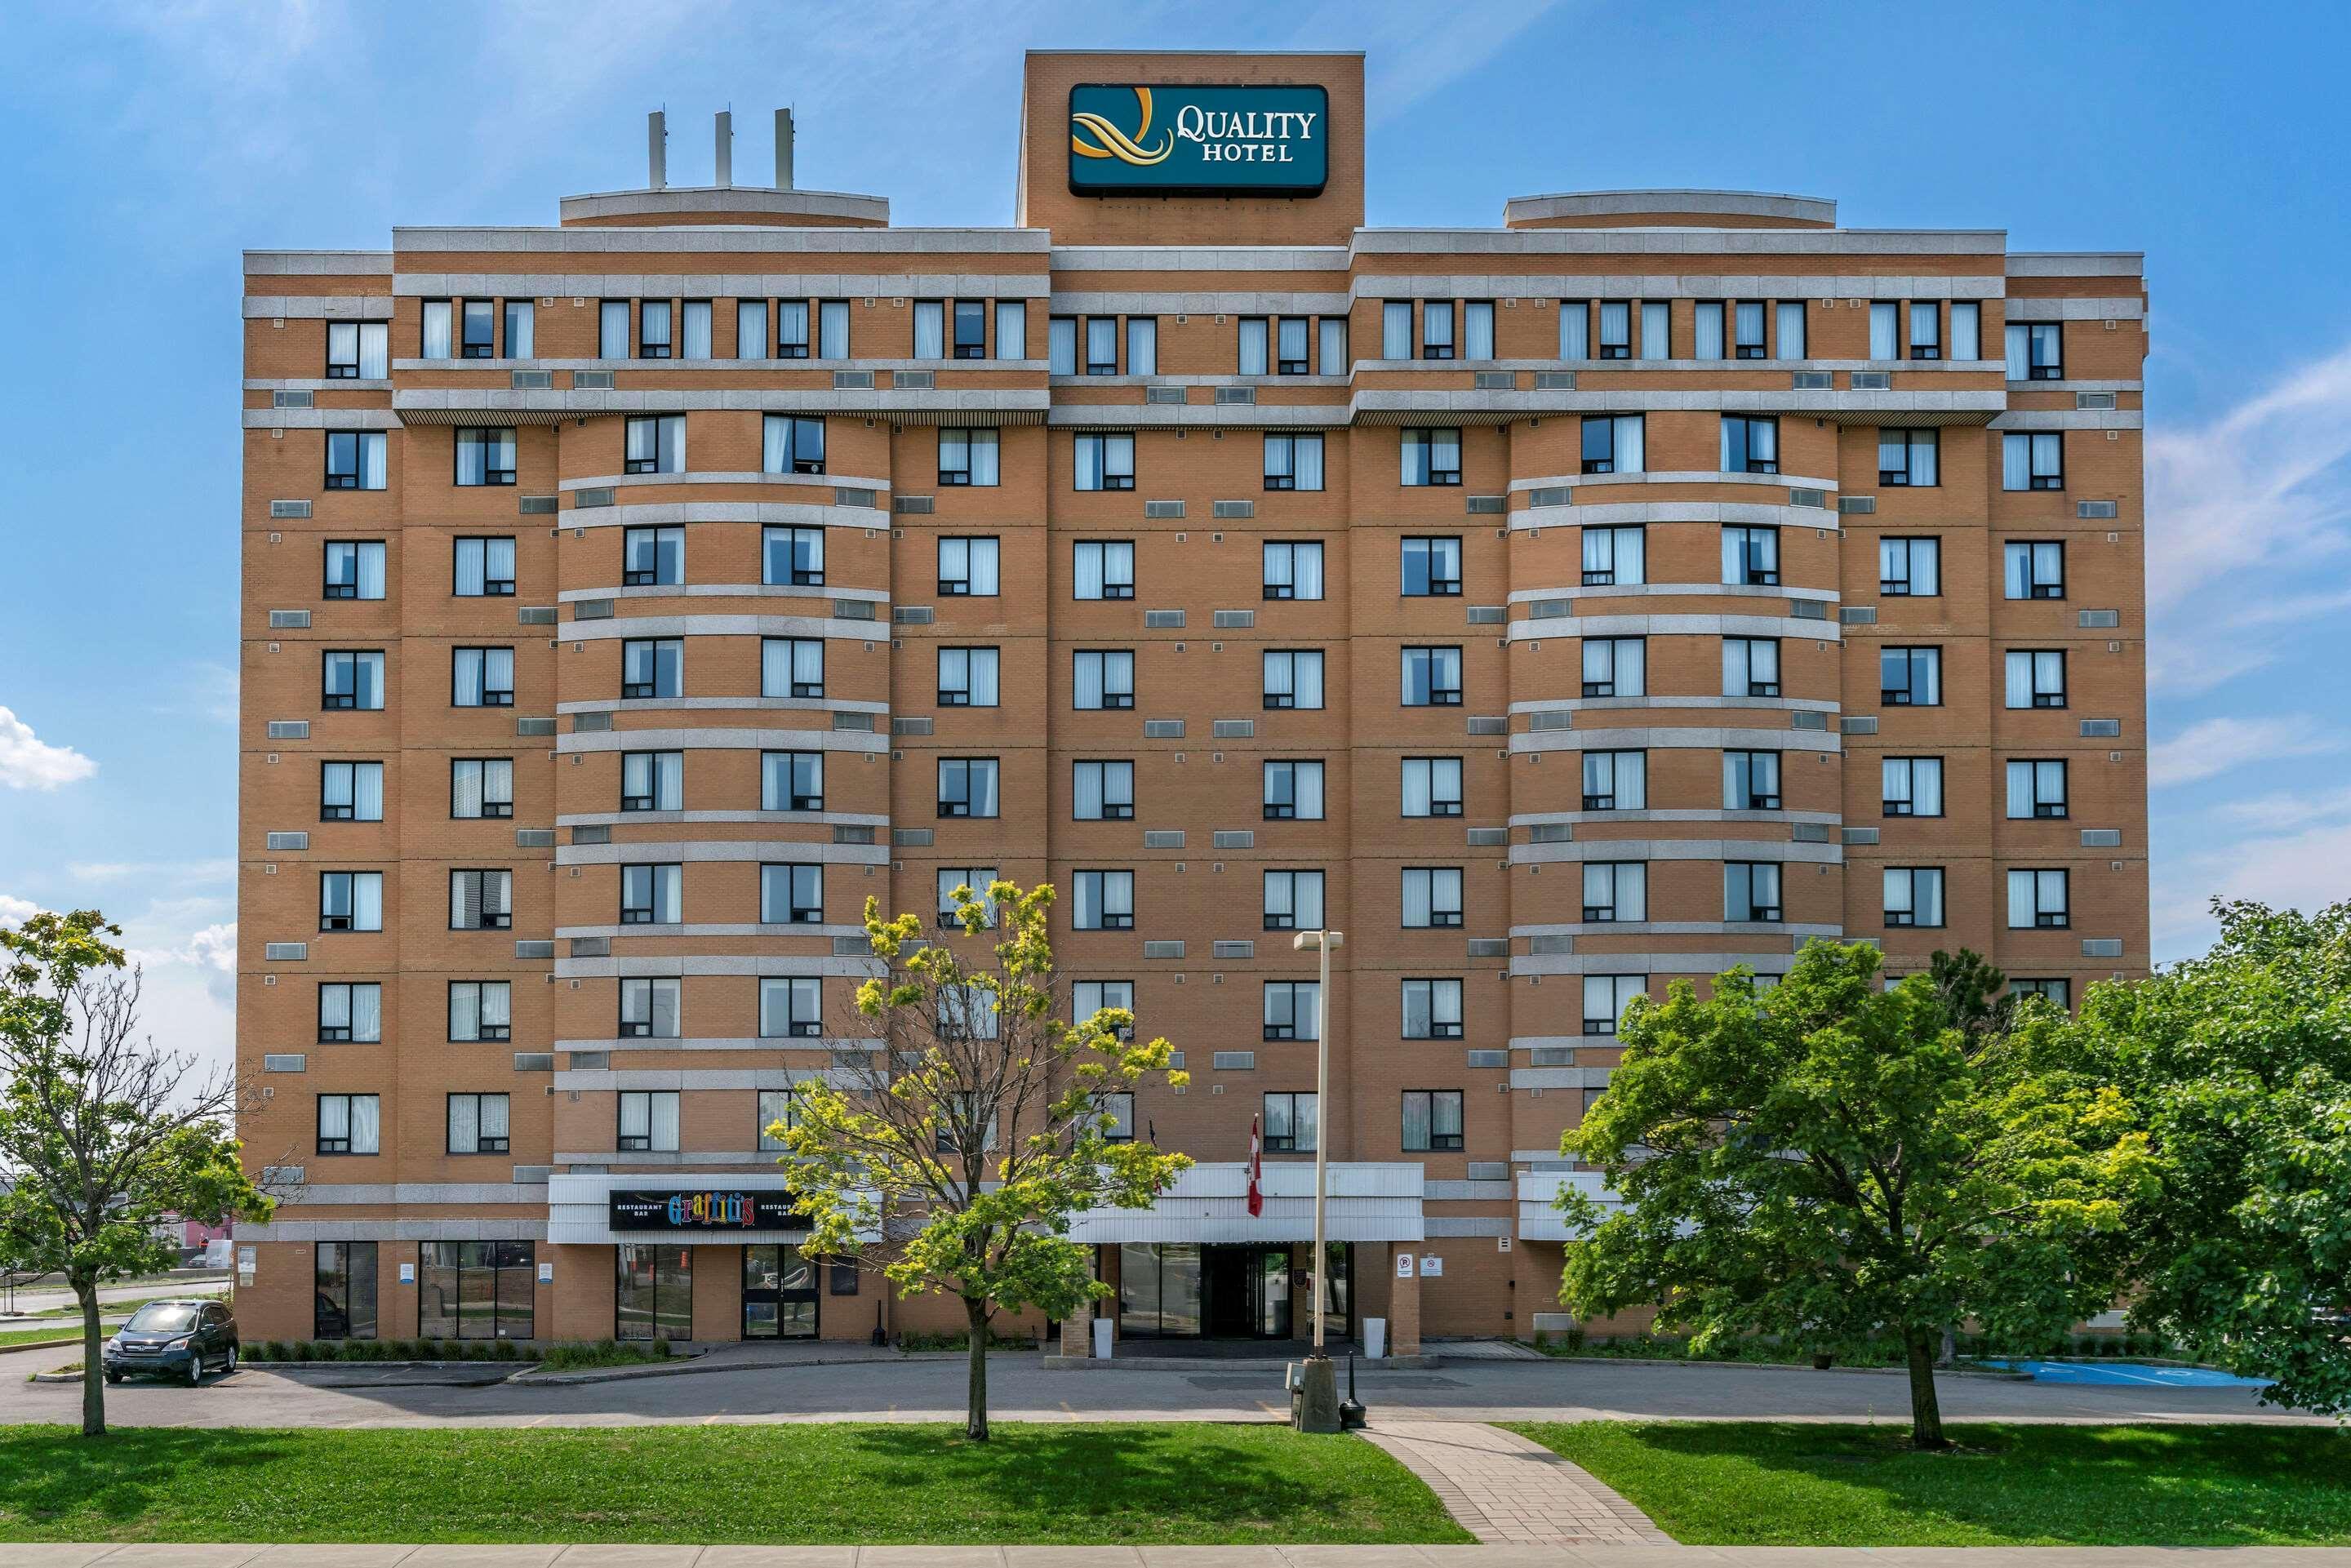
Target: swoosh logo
<point>1116,143</point>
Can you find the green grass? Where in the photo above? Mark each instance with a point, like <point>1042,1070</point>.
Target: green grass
<point>1162,1483</point>
<point>37,1337</point>
<point>1799,1484</point>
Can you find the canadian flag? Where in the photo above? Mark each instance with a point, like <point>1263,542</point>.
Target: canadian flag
<point>1256,1170</point>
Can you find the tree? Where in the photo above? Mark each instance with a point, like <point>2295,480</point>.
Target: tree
<point>102,1134</point>
<point>2238,1066</point>
<point>980,1128</point>
<point>1826,1162</point>
<point>1968,991</point>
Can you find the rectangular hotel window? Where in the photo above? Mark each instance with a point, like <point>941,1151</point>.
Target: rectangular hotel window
<point>351,680</point>
<point>648,1008</point>
<point>475,1290</point>
<point>694,323</point>
<point>1925,329</point>
<point>648,1120</point>
<point>1293,901</point>
<point>1884,330</point>
<point>652,1292</point>
<point>2037,900</point>
<point>1102,791</point>
<point>1615,556</point>
<point>1292,792</point>
<point>350,1011</point>
<point>791,667</point>
<point>1103,568</point>
<point>1011,329</point>
<point>1790,325</point>
<point>1750,446</point>
<point>481,900</point>
<point>791,1007</point>
<point>343,1291</point>
<point>1436,330</point>
<point>971,328</point>
<point>751,329</point>
<point>1432,677</point>
<point>1103,900</point>
<point>1432,897</point>
<point>481,677</point>
<point>1291,570</point>
<point>1432,567</point>
<point>930,330</point>
<point>1293,1009</point>
<point>1615,891</point>
<point>1331,346</point>
<point>1101,345</point>
<point>2058,994</point>
<point>1615,666</point>
<point>1910,677</point>
<point>1910,568</point>
<point>483,567</point>
<point>1606,998</point>
<point>791,329</point>
<point>2033,460</point>
<point>653,894</point>
<point>1292,1123</point>
<point>480,1011</point>
<point>978,878</point>
<point>2032,569</point>
<point>1614,443</point>
<point>1432,1009</point>
<point>1477,330</point>
<point>1293,462</point>
<point>969,786</point>
<point>485,457</point>
<point>354,569</point>
<point>1751,893</point>
<point>1706,341</point>
<point>653,329</point>
<point>434,340</point>
<point>2036,351</point>
<point>1291,336</point>
<point>1747,329</point>
<point>613,330</point>
<point>1396,330</point>
<point>791,557</point>
<point>1431,787</point>
<point>350,900</point>
<point>1061,345</point>
<point>653,780</point>
<point>777,1108</point>
<point>1910,786</point>
<point>655,444</point>
<point>1911,458</point>
<point>791,444</point>
<point>792,780</point>
<point>1104,462</point>
<point>1967,330</point>
<point>652,668</point>
<point>359,350</point>
<point>2037,789</point>
<point>1102,679</point>
<point>356,460</point>
<point>1750,556</point>
<point>349,1123</point>
<point>832,328</point>
<point>967,456</point>
<point>1616,330</point>
<point>2035,678</point>
<point>1254,352</point>
<point>1616,781</point>
<point>1118,1106</point>
<point>1574,329</point>
<point>1142,345</point>
<point>1750,666</point>
<point>1750,780</point>
<point>968,566</point>
<point>1431,457</point>
<point>1432,1120</point>
<point>968,678</point>
<point>1914,896</point>
<point>653,556</point>
<point>1656,330</point>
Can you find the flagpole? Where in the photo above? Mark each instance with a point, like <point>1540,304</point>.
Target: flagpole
<point>1318,1410</point>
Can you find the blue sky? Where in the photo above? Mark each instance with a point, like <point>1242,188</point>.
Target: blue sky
<point>147,145</point>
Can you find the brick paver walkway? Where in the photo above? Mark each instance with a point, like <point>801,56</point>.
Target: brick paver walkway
<point>1507,1491</point>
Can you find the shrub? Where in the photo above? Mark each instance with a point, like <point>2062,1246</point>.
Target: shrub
<point>1575,1337</point>
<point>302,1348</point>
<point>504,1350</point>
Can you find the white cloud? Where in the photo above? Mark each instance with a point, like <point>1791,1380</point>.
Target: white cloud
<point>213,948</point>
<point>2212,746</point>
<point>29,762</point>
<point>16,911</point>
<point>174,873</point>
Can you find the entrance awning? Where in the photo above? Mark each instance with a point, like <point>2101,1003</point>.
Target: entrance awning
<point>1209,1203</point>
<point>580,1210</point>
<point>1539,1220</point>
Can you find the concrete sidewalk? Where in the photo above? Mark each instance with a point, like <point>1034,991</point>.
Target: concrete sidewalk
<point>226,1556</point>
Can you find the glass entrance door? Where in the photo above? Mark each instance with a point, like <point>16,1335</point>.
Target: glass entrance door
<point>779,1294</point>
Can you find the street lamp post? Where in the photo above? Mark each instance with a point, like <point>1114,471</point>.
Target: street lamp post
<point>1318,1410</point>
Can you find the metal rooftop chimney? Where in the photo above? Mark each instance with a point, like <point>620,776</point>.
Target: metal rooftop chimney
<point>726,137</point>
<point>656,150</point>
<point>783,149</point>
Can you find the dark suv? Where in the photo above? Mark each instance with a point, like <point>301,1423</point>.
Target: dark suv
<point>181,1339</point>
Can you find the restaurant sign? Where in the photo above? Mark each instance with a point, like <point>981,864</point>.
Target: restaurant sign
<point>1166,141</point>
<point>705,1210</point>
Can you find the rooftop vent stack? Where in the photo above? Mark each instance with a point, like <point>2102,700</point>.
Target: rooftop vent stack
<point>783,149</point>
<point>725,134</point>
<point>656,150</point>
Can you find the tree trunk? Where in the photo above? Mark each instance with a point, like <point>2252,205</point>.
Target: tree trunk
<point>1926,1413</point>
<point>93,1360</point>
<point>975,1420</point>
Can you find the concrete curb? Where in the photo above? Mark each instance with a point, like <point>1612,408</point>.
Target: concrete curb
<point>39,1344</point>
<point>687,1368</point>
<point>1784,1367</point>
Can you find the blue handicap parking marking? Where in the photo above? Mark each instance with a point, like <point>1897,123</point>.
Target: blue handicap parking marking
<point>2136,1372</point>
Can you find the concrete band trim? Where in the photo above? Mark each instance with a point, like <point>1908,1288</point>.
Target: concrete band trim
<point>1610,203</point>
<point>1704,739</point>
<point>800,513</point>
<point>1763,963</point>
<point>1535,628</point>
<point>714,477</point>
<point>316,263</point>
<point>728,591</point>
<point>1675,477</point>
<point>755,965</point>
<point>318,419</point>
<point>1547,287</point>
<point>1615,705</point>
<point>520,240</point>
<point>1677,590</point>
<point>683,202</point>
<point>758,1043</point>
<point>1574,851</point>
<point>447,1229</point>
<point>681,850</point>
<point>1674,814</point>
<point>723,738</point>
<point>755,366</point>
<point>591,1081</point>
<point>320,307</point>
<point>1667,242</point>
<point>788,853</point>
<point>1593,514</point>
<point>647,819</point>
<point>310,1193</point>
<point>1795,928</point>
<point>673,704</point>
<point>716,625</point>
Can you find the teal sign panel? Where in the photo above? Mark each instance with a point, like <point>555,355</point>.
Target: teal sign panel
<point>1134,140</point>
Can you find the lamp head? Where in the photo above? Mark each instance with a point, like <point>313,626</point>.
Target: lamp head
<point>1308,941</point>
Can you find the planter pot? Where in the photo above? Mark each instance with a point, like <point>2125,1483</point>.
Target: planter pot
<point>1822,1362</point>
<point>1102,1332</point>
<point>1376,1339</point>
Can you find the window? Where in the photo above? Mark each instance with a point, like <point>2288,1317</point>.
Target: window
<point>1750,446</point>
<point>1118,1106</point>
<point>1105,462</point>
<point>2036,901</point>
<point>1432,897</point>
<point>653,329</point>
<point>1967,329</point>
<point>481,900</point>
<point>1102,791</point>
<point>694,323</point>
<point>1432,567</point>
<point>1011,329</point>
<point>792,329</point>
<point>1103,900</point>
<point>1292,1122</point>
<point>613,330</point>
<point>1293,901</point>
<point>1615,891</point>
<point>1104,569</point>
<point>435,339</point>
<point>1103,679</point>
<point>1750,666</point>
<point>359,350</point>
<point>1791,323</point>
<point>1432,677</point>
<point>1061,345</point>
<point>654,444</point>
<point>751,329</point>
<point>1616,330</point>
<point>1750,892</point>
<point>1432,1009</point>
<point>832,328</point>
<point>648,1008</point>
<point>1615,666</point>
<point>654,557</point>
<point>1750,556</point>
<point>477,1289</point>
<point>1293,1010</point>
<point>1291,571</point>
<point>1396,330</point>
<point>1909,457</point>
<point>2032,569</point>
<point>1914,896</point>
<point>1747,326</point>
<point>971,330</point>
<point>1925,329</point>
<point>1657,334</point>
<point>350,791</point>
<point>480,787</point>
<point>349,1123</point>
<point>653,1291</point>
<point>1088,997</point>
<point>652,666</point>
<point>1575,330</point>
<point>791,781</point>
<point>1614,443</point>
<point>1432,1120</point>
<point>791,444</point>
<point>481,677</point>
<point>354,569</point>
<point>2036,351</point>
<point>1281,344</point>
<point>778,1109</point>
<point>1292,678</point>
<point>652,894</point>
<point>1910,786</point>
<point>1750,780</point>
<point>1884,330</point>
<point>343,1291</point>
<point>1431,787</point>
<point>1330,348</point>
<point>791,667</point>
<point>1293,791</point>
<point>967,787</point>
<point>974,879</point>
<point>2035,678</point>
<point>1142,345</point>
<point>483,567</point>
<point>1910,677</point>
<point>350,1010</point>
<point>350,900</point>
<point>1910,568</point>
<point>1293,462</point>
<point>1616,781</point>
<point>2058,994</point>
<point>478,1124</point>
<point>1606,998</point>
<point>2036,788</point>
<point>1615,556</point>
<point>968,568</point>
<point>481,1009</point>
<point>791,894</point>
<point>485,457</point>
<point>2033,460</point>
<point>791,1008</point>
<point>1436,330</point>
<point>930,330</point>
<point>967,456</point>
<point>356,460</point>
<point>1477,330</point>
<point>648,1120</point>
<point>968,678</point>
<point>1101,345</point>
<point>793,558</point>
<point>1432,456</point>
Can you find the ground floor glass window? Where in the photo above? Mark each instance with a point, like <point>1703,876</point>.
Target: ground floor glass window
<point>343,1297</point>
<point>475,1290</point>
<point>655,1290</point>
<point>779,1292</point>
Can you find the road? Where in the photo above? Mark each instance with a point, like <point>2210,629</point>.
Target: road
<point>30,1301</point>
<point>932,1388</point>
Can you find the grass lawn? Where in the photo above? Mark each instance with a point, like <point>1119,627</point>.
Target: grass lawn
<point>1799,1484</point>
<point>1164,1483</point>
<point>36,1336</point>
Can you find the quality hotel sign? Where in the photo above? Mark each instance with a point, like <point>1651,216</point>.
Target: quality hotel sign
<point>1162,141</point>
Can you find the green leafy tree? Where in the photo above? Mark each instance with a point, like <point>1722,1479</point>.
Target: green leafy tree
<point>102,1134</point>
<point>2238,1065</point>
<point>1827,1162</point>
<point>980,1128</point>
<point>1970,993</point>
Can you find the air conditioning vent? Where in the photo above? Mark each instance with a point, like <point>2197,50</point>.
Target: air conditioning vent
<point>1493,724</point>
<point>1553,1056</point>
<point>2102,948</point>
<point>1488,837</point>
<point>1551,833</point>
<point>855,495</point>
<point>1549,947</point>
<point>285,952</point>
<point>1163,949</point>
<point>1233,729</point>
<point>1549,609</point>
<point>535,726</point>
<point>1554,381</point>
<point>592,380</point>
<point>855,723</point>
<point>1488,1058</point>
<point>1804,718</point>
<point>293,1062</point>
<point>912,727</point>
<point>591,723</point>
<point>1235,839</point>
<point>2099,620</point>
<point>1164,620</point>
<point>851,947</point>
<point>1245,948</point>
<point>591,946</point>
<point>1808,832</point>
<point>533,381</point>
<point>913,615</point>
<point>912,380</point>
<point>1486,614</point>
<point>1812,380</point>
<point>1495,381</point>
<point>1163,394</point>
<point>1163,508</point>
<point>2101,838</point>
<point>534,506</point>
<point>534,1061</point>
<point>529,948</point>
<point>1235,619</point>
<point>853,833</point>
<point>2101,728</point>
<point>1856,506</point>
<point>1551,718</point>
<point>291,400</point>
<point>1235,1061</point>
<point>596,496</point>
<point>914,505</point>
<point>1489,946</point>
<point>852,610</point>
<point>852,381</point>
<point>591,610</point>
<point>1857,725</point>
<point>1857,614</point>
<point>534,838</point>
<point>911,838</point>
<point>289,620</point>
<point>289,729</point>
<point>1163,838</point>
<point>1549,496</point>
<point>289,840</point>
<point>1162,729</point>
<point>2094,400</point>
<point>2085,509</point>
<point>1235,508</point>
<point>1807,610</point>
<point>1800,497</point>
<point>289,508</point>
<point>1873,380</point>
<point>1858,835</point>
<point>535,1175</point>
<point>535,614</point>
<point>592,834</point>
<point>1235,394</point>
<point>1487,506</point>
<point>281,1176</point>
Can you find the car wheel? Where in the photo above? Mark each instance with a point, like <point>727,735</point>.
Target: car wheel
<point>115,1377</point>
<point>229,1364</point>
<point>196,1369</point>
